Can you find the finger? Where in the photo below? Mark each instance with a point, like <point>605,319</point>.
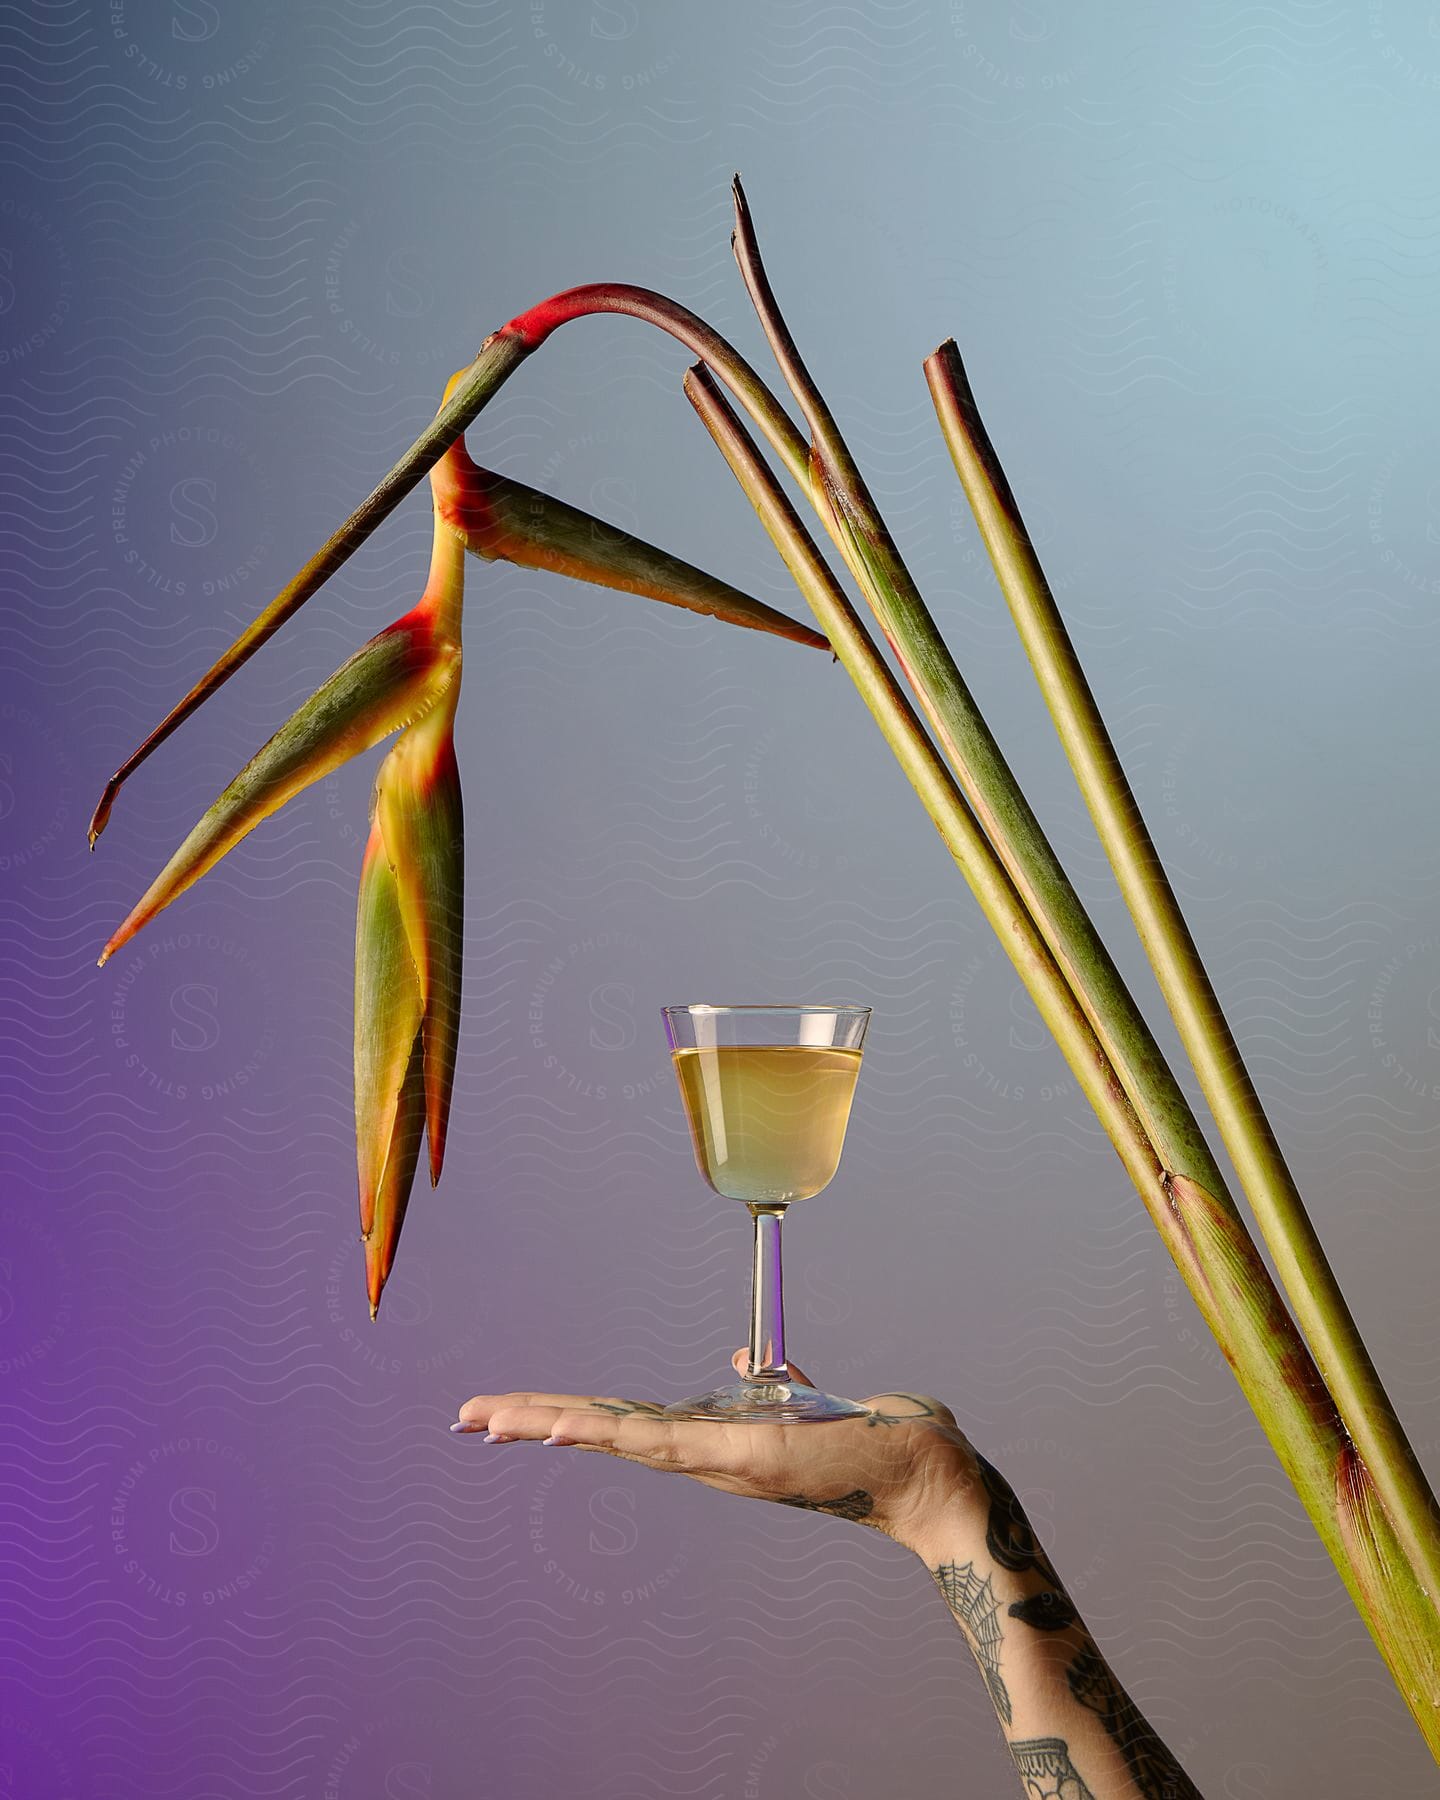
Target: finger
<point>586,1423</point>
<point>688,1446</point>
<point>532,1416</point>
<point>740,1362</point>
<point>715,1453</point>
<point>477,1409</point>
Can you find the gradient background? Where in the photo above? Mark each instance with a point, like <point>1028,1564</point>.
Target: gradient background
<point>1193,258</point>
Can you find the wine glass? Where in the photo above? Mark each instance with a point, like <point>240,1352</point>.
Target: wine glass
<point>767,1093</point>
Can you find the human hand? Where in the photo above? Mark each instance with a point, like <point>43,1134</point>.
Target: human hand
<point>896,1468</point>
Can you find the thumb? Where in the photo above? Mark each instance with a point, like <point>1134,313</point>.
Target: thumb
<point>741,1362</point>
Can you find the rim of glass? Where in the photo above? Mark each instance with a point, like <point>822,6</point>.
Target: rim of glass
<point>808,1006</point>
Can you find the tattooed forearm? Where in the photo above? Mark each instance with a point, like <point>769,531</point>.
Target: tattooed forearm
<point>1155,1772</point>
<point>1033,1664</point>
<point>1046,1771</point>
<point>1011,1540</point>
<point>972,1600</point>
<point>857,1504</point>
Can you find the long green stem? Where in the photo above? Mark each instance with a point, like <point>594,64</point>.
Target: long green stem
<point>1404,1613</point>
<point>850,515</point>
<point>1300,1260</point>
<point>1214,1253</point>
<point>936,786</point>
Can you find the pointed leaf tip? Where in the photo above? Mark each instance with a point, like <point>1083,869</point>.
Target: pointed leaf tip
<point>393,1197</point>
<point>497,518</point>
<point>400,673</point>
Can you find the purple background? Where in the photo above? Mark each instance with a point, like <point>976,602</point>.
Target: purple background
<point>1194,264</point>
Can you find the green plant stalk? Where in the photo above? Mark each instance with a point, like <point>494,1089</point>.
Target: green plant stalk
<point>932,780</point>
<point>1211,1248</point>
<point>844,504</point>
<point>1305,1273</point>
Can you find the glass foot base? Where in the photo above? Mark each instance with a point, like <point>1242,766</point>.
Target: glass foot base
<point>772,1403</point>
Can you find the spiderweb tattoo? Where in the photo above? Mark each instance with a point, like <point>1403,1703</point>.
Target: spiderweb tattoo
<point>972,1600</point>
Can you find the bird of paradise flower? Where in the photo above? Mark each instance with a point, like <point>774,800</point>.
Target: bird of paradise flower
<point>410,918</point>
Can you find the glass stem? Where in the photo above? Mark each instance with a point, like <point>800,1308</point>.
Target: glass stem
<point>767,1308</point>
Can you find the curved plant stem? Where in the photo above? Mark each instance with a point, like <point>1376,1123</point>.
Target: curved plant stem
<point>498,358</point>
<point>1305,1273</point>
<point>1202,1230</point>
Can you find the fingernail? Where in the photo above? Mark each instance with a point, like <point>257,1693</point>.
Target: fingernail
<point>560,1443</point>
<point>465,1425</point>
<point>497,1437</point>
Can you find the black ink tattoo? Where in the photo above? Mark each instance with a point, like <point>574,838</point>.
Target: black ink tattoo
<point>622,1409</point>
<point>857,1504</point>
<point>1046,1771</point>
<point>1011,1540</point>
<point>1050,1611</point>
<point>1154,1770</point>
<point>972,1600</point>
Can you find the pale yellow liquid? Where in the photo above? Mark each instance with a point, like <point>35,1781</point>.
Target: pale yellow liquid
<point>767,1120</point>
